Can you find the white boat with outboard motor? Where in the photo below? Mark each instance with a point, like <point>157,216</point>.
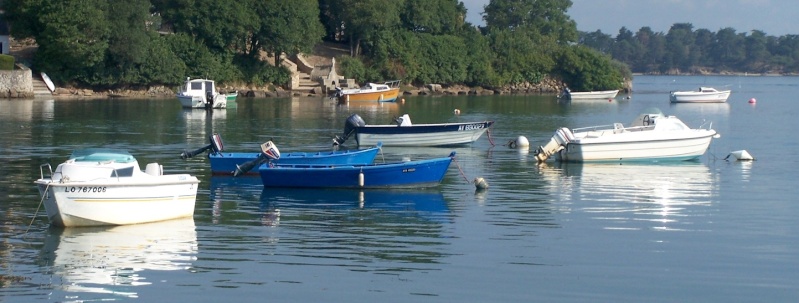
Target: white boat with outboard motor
<point>652,136</point>
<point>405,133</point>
<point>202,93</point>
<point>102,186</point>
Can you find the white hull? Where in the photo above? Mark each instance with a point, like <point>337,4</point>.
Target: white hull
<point>447,138</point>
<point>700,97</point>
<point>100,186</point>
<point>677,146</point>
<point>650,137</point>
<point>220,101</point>
<point>109,202</point>
<point>592,95</point>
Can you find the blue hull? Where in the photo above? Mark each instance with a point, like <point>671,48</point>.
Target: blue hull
<point>225,163</point>
<point>411,174</point>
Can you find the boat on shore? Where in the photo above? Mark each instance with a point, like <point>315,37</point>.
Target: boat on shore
<point>242,163</point>
<point>404,133</point>
<point>380,92</point>
<point>652,136</point>
<point>101,186</point>
<point>567,94</point>
<point>703,95</point>
<point>406,174</point>
<point>202,93</point>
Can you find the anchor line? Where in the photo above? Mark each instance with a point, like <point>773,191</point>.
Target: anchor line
<point>46,189</point>
<point>460,170</point>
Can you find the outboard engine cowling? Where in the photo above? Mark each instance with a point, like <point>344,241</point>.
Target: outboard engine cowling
<point>215,146</point>
<point>268,152</point>
<point>353,122</point>
<point>559,140</point>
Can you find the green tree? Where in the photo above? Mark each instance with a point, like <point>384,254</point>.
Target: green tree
<point>728,48</point>
<point>536,18</point>
<point>756,53</point>
<point>584,69</point>
<point>679,44</point>
<point>361,21</point>
<point>288,26</point>
<point>223,26</point>
<point>74,38</point>
<point>433,16</point>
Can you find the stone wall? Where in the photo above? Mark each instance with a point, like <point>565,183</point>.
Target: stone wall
<point>17,83</point>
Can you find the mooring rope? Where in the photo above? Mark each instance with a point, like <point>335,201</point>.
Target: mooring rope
<point>460,170</point>
<point>36,213</point>
<point>490,140</point>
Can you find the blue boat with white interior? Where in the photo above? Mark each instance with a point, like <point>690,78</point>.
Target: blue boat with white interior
<point>243,163</point>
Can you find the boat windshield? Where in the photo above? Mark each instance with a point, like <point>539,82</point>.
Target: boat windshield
<point>102,155</point>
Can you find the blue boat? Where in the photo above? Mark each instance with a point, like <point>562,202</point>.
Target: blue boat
<point>227,163</point>
<point>408,174</point>
<point>240,163</point>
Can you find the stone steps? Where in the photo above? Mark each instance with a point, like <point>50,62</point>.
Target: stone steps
<point>39,88</point>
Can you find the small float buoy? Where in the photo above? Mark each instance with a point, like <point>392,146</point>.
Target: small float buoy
<point>753,100</point>
<point>740,155</point>
<point>457,111</point>
<point>402,100</point>
<point>521,141</point>
<point>480,183</point>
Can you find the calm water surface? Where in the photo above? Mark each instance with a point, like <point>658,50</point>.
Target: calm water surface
<point>704,231</point>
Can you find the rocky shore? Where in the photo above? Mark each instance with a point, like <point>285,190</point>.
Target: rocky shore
<point>545,87</point>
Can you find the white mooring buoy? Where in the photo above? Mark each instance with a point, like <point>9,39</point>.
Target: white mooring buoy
<point>520,142</point>
<point>740,155</point>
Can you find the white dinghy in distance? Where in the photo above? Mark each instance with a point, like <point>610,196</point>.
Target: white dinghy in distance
<point>48,82</point>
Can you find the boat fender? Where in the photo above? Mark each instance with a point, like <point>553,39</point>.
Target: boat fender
<point>360,179</point>
<point>740,155</point>
<point>381,98</point>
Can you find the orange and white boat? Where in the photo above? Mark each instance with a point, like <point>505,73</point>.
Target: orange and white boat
<point>380,92</point>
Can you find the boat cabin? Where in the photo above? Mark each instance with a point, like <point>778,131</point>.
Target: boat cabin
<point>198,87</point>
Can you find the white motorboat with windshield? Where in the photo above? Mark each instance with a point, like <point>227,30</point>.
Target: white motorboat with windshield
<point>100,186</point>
<point>703,95</point>
<point>652,136</point>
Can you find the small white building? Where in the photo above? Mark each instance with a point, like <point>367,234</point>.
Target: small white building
<point>5,42</point>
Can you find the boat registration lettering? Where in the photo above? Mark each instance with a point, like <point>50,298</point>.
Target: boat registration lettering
<point>85,189</point>
<point>470,127</point>
<point>409,170</point>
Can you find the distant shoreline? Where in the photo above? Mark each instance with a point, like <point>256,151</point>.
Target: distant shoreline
<point>719,74</point>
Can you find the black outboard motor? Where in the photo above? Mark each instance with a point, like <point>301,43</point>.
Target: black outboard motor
<point>216,146</point>
<point>209,100</point>
<point>353,122</point>
<point>268,153</point>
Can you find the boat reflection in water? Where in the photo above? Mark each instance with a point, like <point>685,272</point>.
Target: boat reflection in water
<point>114,260</point>
<point>427,204</point>
<point>661,196</point>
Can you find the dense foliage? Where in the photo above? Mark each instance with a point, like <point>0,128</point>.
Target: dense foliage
<point>147,42</point>
<point>685,50</point>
